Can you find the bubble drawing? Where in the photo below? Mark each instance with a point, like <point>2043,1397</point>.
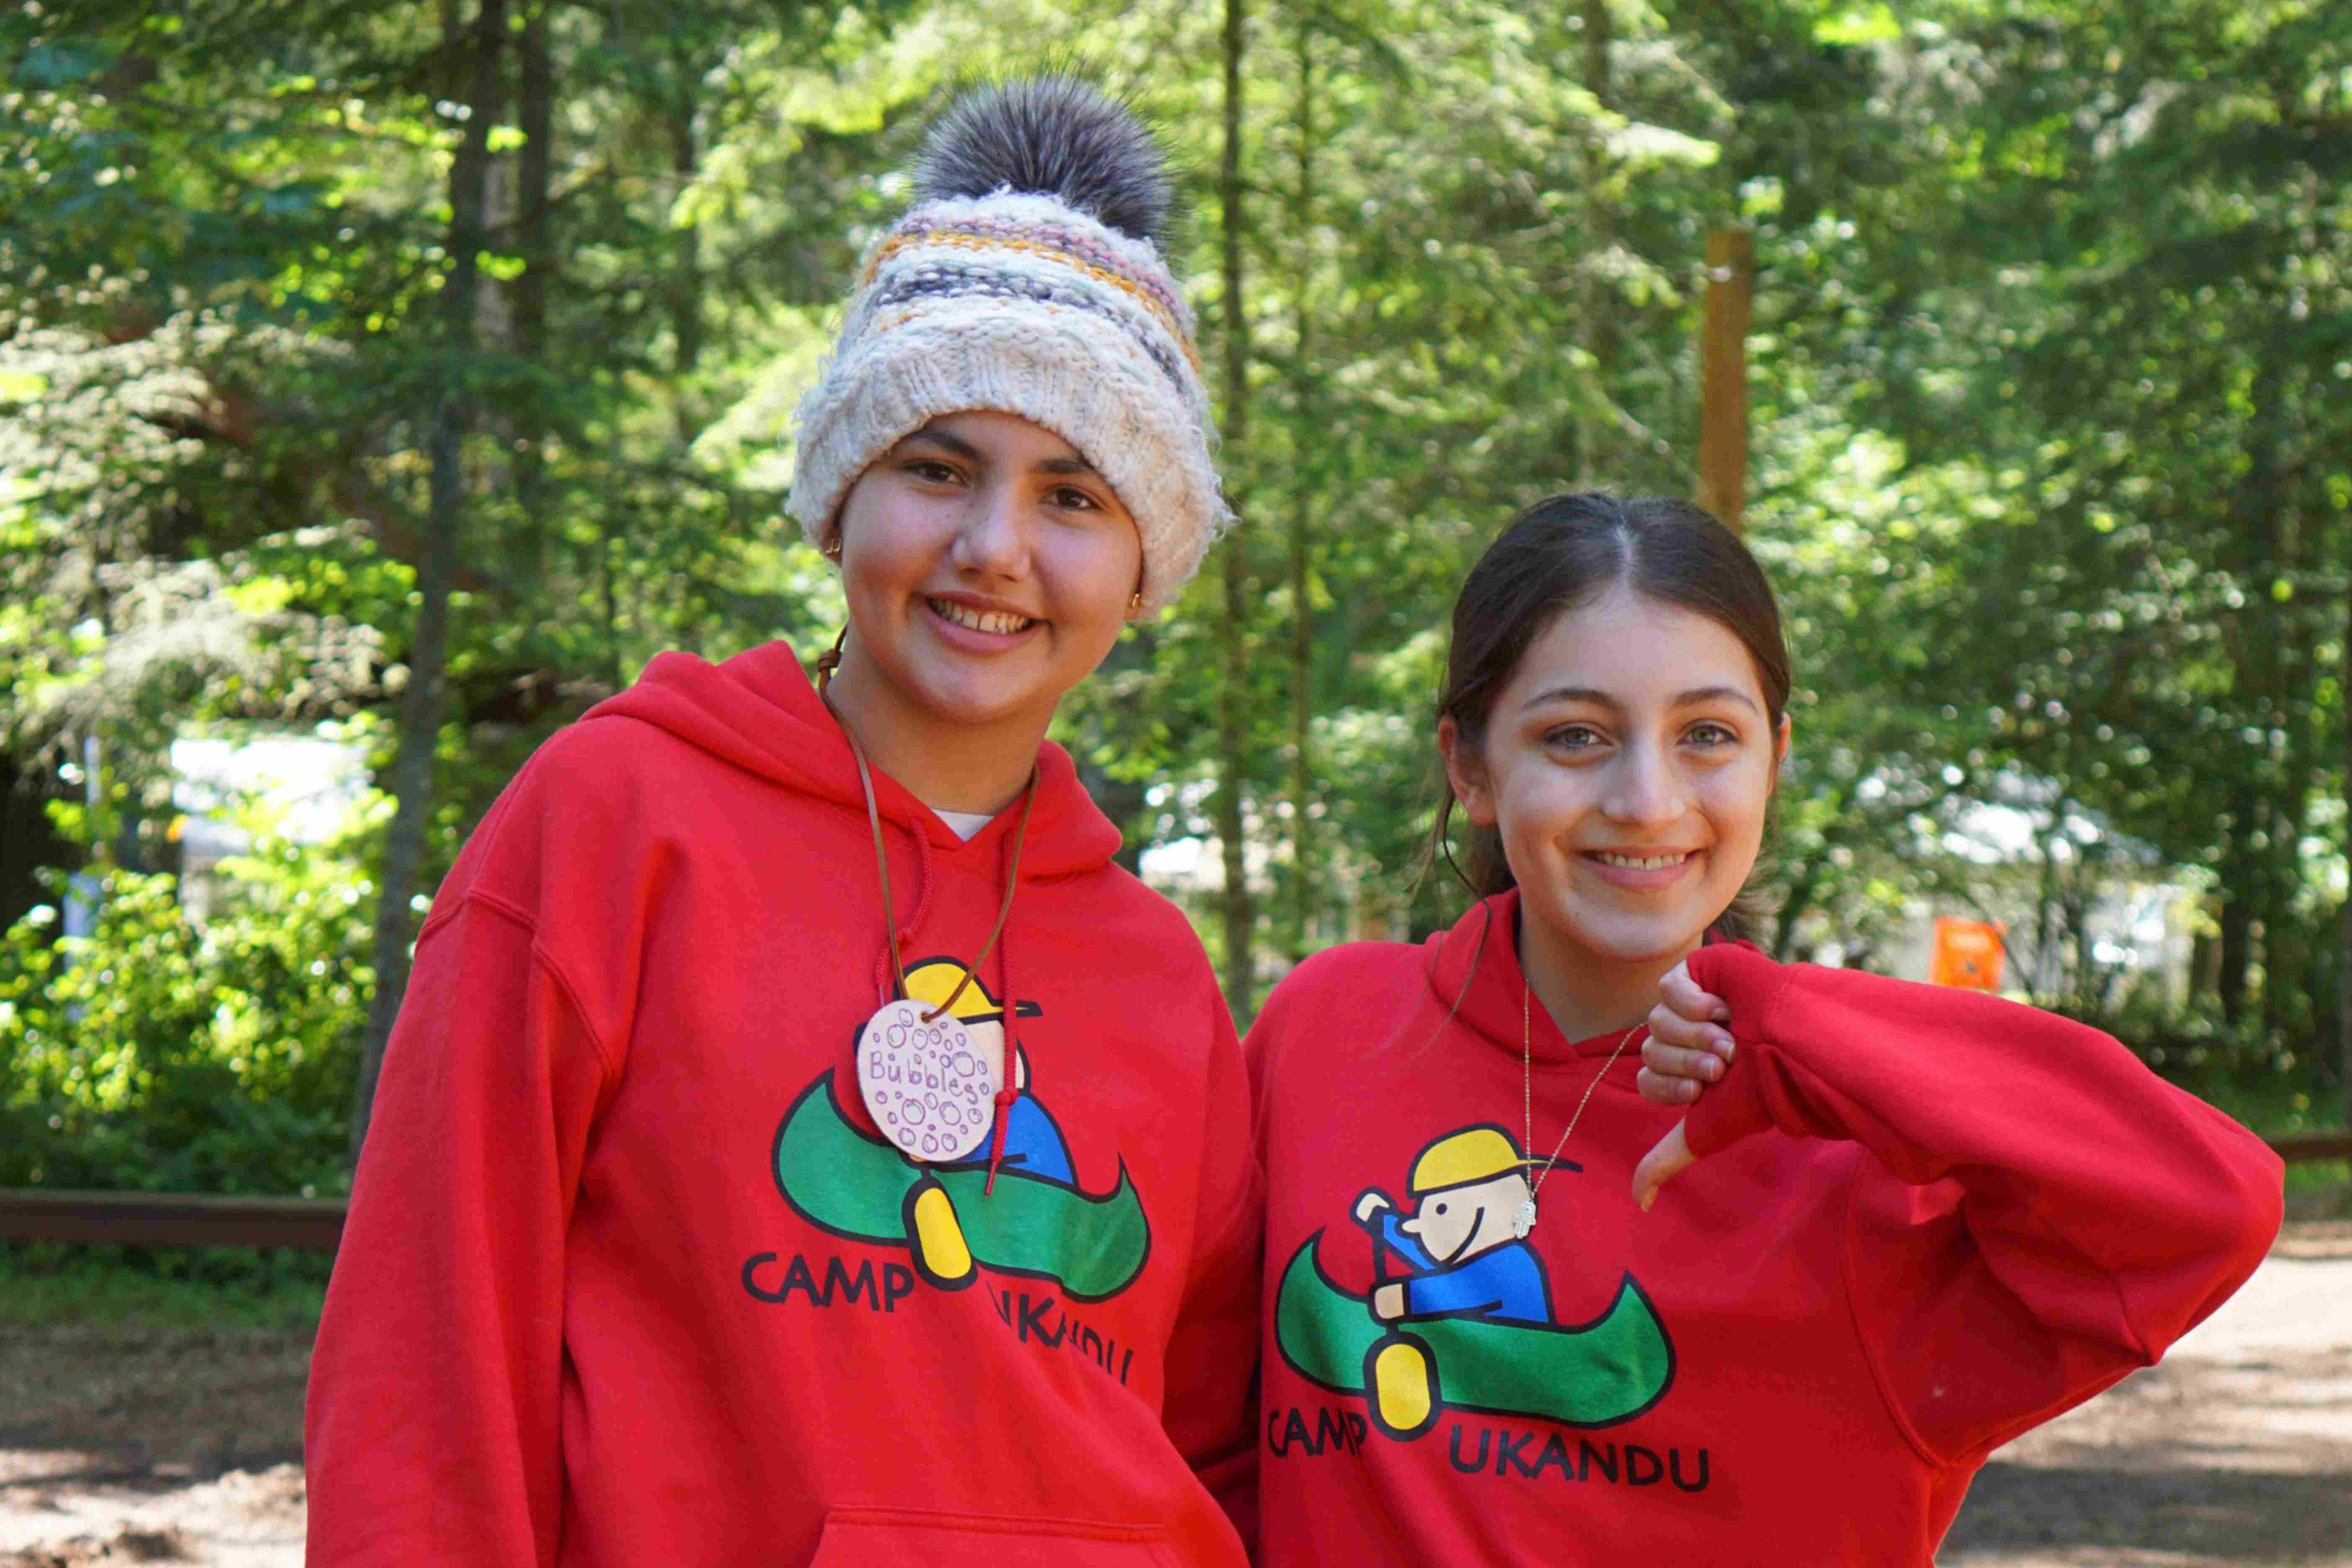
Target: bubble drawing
<point>925,1082</point>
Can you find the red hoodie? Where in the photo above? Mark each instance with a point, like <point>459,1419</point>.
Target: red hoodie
<point>1925,1221</point>
<point>631,1278</point>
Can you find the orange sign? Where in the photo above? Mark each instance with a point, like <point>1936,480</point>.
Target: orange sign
<point>1967,954</point>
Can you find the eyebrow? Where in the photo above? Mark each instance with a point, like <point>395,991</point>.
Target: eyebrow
<point>972,454</point>
<point>1600,699</point>
<point>948,438</point>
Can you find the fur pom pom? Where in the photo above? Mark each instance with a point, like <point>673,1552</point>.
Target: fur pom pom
<point>1057,135</point>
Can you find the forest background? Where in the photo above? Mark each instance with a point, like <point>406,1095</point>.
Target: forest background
<point>411,374</point>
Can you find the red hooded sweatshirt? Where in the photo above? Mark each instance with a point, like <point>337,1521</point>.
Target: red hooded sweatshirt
<point>1925,1221</point>
<point>630,1278</point>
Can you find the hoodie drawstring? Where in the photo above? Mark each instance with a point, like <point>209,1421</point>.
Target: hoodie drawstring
<point>886,963</point>
<point>1008,1088</point>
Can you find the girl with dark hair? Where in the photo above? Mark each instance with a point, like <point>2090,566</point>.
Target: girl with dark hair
<point>1911,1223</point>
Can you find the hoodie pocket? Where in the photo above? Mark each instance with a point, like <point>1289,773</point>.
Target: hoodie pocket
<point>915,1537</point>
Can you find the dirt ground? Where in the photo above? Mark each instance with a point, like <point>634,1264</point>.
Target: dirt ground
<point>156,1446</point>
<point>136,1445</point>
<point>2237,1449</point>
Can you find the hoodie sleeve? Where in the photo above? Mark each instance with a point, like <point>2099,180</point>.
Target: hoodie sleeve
<point>432,1431</point>
<point>1212,1400</point>
<point>2057,1215</point>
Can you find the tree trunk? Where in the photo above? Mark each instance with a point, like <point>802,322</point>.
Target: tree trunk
<point>1595,320</point>
<point>2266,538</point>
<point>423,700</point>
<point>685,286</point>
<point>535,168</point>
<point>29,841</point>
<point>1303,869</point>
<point>2297,675</point>
<point>2344,986</point>
<point>2237,922</point>
<point>2204,968</point>
<point>534,172</point>
<point>1240,911</point>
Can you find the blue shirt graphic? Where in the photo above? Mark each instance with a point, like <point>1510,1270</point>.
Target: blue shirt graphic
<point>1032,1143</point>
<point>1504,1282</point>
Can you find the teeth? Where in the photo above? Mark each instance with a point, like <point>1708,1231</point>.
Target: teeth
<point>1635,863</point>
<point>978,620</point>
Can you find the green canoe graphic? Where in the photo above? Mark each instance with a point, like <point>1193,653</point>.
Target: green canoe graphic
<point>857,1187</point>
<point>1592,1374</point>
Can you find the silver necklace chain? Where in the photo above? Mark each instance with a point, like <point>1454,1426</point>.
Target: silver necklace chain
<point>1524,1220</point>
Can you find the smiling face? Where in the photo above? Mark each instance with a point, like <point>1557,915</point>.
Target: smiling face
<point>988,569</point>
<point>1627,764</point>
<point>1457,1224</point>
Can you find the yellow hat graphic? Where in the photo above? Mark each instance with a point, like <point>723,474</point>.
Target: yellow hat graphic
<point>1479,1155</point>
<point>934,982</point>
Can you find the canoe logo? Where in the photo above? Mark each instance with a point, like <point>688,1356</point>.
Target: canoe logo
<point>1467,1323</point>
<point>1038,1222</point>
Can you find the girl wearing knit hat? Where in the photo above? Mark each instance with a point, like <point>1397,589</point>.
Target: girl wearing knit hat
<point>801,1143</point>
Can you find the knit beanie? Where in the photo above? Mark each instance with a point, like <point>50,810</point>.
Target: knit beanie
<point>1029,278</point>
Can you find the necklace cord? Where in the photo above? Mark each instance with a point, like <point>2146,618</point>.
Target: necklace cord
<point>881,856</point>
<point>829,661</point>
<point>1003,911</point>
<point>825,665</point>
<point>1527,1088</point>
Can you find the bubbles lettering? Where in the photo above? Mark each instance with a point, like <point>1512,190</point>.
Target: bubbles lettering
<point>926,1083</point>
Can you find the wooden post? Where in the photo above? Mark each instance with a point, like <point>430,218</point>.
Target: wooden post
<point>1723,375</point>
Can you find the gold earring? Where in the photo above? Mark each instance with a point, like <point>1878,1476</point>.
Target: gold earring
<point>833,550</point>
<point>1134,601</point>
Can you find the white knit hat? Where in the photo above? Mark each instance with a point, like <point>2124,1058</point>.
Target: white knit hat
<point>1028,277</point>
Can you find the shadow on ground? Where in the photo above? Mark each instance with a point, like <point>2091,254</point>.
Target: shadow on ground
<point>2243,1458</point>
<point>139,1404</point>
<point>2240,1517</point>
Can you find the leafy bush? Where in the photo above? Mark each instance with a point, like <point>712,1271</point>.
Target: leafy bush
<point>159,1055</point>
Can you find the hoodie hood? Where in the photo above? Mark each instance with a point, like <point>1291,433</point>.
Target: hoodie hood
<point>759,711</point>
<point>1477,962</point>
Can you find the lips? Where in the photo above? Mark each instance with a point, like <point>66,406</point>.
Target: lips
<point>995,623</point>
<point>1640,874</point>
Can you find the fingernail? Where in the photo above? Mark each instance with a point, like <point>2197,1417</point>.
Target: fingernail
<point>1714,1070</point>
<point>1646,1197</point>
<point>1722,1014</point>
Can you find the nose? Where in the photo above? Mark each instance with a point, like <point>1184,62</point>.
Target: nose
<point>995,539</point>
<point>1647,791</point>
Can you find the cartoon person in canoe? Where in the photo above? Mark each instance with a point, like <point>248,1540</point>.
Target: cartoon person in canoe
<point>1033,1140</point>
<point>1034,1220</point>
<point>1466,1253</point>
<point>1469,1327</point>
